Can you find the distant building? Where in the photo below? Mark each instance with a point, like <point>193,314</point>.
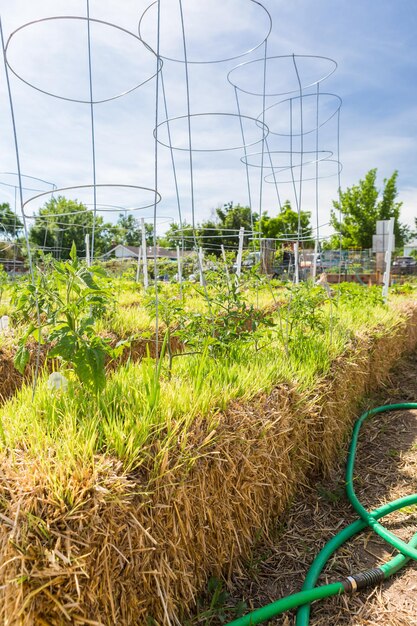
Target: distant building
<point>122,251</point>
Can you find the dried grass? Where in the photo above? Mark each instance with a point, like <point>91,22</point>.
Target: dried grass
<point>119,550</point>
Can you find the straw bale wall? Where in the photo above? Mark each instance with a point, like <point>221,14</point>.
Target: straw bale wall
<point>120,549</point>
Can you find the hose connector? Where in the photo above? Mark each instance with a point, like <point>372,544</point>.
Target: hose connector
<point>370,578</point>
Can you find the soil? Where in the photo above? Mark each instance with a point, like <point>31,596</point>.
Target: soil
<point>386,469</point>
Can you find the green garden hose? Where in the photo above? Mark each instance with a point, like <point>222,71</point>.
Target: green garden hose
<point>309,592</point>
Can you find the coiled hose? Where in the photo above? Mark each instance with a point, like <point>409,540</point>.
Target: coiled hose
<point>310,592</point>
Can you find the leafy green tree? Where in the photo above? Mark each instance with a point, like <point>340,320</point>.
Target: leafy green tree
<point>58,232</point>
<point>234,217</point>
<point>174,235</point>
<point>361,206</point>
<point>285,224</point>
<point>210,237</point>
<point>130,231</point>
<point>10,224</point>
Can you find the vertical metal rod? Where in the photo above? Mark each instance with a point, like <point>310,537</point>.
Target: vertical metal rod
<point>26,232</point>
<point>265,60</point>
<point>93,142</point>
<point>226,269</point>
<point>155,262</point>
<point>317,162</point>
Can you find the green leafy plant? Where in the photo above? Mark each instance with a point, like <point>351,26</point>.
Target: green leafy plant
<point>171,312</point>
<point>305,309</point>
<point>70,298</point>
<point>4,279</point>
<point>216,610</point>
<point>230,320</point>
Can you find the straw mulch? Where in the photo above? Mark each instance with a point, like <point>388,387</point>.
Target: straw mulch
<point>115,549</point>
<point>386,469</point>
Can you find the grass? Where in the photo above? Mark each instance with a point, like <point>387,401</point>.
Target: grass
<point>138,405</point>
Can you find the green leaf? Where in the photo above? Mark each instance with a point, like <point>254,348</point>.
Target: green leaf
<point>73,253</point>
<point>21,358</point>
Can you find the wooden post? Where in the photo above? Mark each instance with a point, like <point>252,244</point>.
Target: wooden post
<point>239,253</point>
<point>296,262</point>
<point>138,265</point>
<point>314,267</point>
<point>179,268</point>
<point>268,247</point>
<point>200,266</point>
<point>144,255</point>
<point>87,250</point>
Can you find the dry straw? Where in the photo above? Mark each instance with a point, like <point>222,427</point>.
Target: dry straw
<point>132,548</point>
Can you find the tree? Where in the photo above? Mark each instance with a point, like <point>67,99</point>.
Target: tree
<point>361,206</point>
<point>54,231</point>
<point>232,218</point>
<point>210,237</point>
<point>10,224</point>
<point>285,224</point>
<point>130,230</point>
<point>174,236</point>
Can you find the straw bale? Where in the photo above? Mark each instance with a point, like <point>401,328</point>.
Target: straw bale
<point>117,549</point>
<point>10,379</point>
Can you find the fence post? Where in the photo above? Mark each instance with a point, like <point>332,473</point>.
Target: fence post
<point>296,271</point>
<point>144,254</point>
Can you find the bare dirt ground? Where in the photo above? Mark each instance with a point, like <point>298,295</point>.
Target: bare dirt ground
<point>386,469</point>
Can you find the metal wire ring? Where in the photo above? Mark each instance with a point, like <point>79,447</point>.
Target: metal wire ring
<point>304,96</point>
<point>258,123</point>
<point>297,180</point>
<point>282,56</point>
<point>156,194</point>
<point>212,61</point>
<point>17,186</point>
<point>327,154</point>
<point>85,19</point>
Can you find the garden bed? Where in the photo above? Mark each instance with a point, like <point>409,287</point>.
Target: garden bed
<point>88,541</point>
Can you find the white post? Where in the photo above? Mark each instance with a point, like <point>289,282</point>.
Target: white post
<point>239,253</point>
<point>200,265</point>
<point>296,272</point>
<point>87,250</point>
<point>388,255</point>
<point>144,254</point>
<point>179,267</point>
<point>314,268</point>
<point>225,265</point>
<point>138,265</point>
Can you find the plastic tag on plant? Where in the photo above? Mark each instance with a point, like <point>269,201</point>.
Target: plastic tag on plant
<point>57,381</point>
<point>4,322</point>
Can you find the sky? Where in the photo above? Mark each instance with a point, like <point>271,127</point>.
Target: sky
<point>359,56</point>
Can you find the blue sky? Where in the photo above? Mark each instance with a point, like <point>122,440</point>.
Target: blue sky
<point>373,43</point>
